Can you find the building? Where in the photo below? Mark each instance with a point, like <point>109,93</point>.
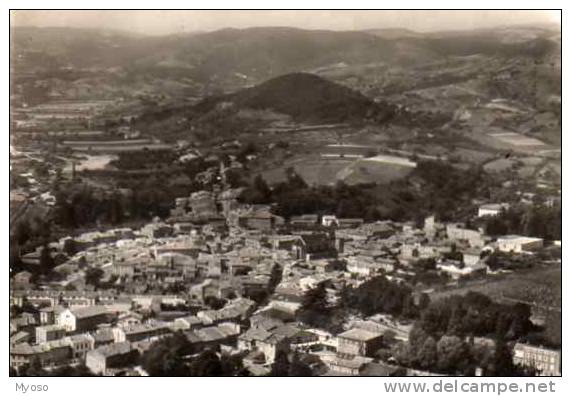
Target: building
<point>367,266</point>
<point>473,237</point>
<point>456,271</point>
<point>100,360</point>
<point>351,365</point>
<point>157,230</point>
<point>47,354</point>
<point>471,257</point>
<point>358,342</point>
<point>268,341</point>
<point>22,278</point>
<point>261,219</point>
<point>83,319</point>
<point>80,344</point>
<point>519,244</point>
<point>492,209</point>
<point>146,331</point>
<point>49,333</point>
<point>546,361</point>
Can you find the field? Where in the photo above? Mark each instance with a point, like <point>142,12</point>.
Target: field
<point>376,170</point>
<point>330,170</point>
<point>515,139</point>
<point>539,287</point>
<point>314,171</point>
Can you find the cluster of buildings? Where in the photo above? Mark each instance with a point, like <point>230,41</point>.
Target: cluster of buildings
<point>232,277</point>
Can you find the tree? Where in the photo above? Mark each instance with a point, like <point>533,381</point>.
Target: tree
<point>215,302</point>
<point>280,367</point>
<point>233,366</point>
<point>23,232</point>
<point>46,260</point>
<point>35,369</point>
<point>453,355</point>
<point>502,361</point>
<point>298,368</point>
<point>207,364</point>
<point>70,247</point>
<point>166,357</point>
<point>93,276</point>
<point>314,310</point>
<point>427,355</point>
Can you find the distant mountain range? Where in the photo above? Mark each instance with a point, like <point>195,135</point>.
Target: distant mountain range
<point>248,56</point>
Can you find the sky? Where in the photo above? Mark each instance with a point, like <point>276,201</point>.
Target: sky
<point>168,22</point>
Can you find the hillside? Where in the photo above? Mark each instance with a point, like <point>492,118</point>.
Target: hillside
<point>307,97</point>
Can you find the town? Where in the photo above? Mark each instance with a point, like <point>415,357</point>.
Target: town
<point>290,226</point>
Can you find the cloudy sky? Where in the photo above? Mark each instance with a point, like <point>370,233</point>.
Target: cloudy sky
<point>166,22</point>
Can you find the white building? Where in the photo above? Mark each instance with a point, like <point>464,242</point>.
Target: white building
<point>518,243</point>
<point>492,209</point>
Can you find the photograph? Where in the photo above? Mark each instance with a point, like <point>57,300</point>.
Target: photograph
<point>285,193</point>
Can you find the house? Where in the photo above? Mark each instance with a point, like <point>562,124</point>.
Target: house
<point>236,311</point>
<point>47,354</point>
<point>260,220</point>
<point>318,245</point>
<point>19,338</point>
<point>101,359</point>
<point>268,341</point>
<point>22,278</point>
<point>367,266</point>
<point>291,243</point>
<point>347,364</point>
<point>457,233</point>
<point>350,223</point>
<point>471,257</point>
<point>105,336</point>
<point>146,331</point>
<point>304,221</point>
<point>358,342</point>
<point>214,336</point>
<point>492,209</point>
<point>83,319</point>
<point>188,323</point>
<point>329,220</point>
<point>202,203</point>
<point>546,361</point>
<point>80,344</point>
<point>518,243</point>
<point>157,230</point>
<point>49,333</point>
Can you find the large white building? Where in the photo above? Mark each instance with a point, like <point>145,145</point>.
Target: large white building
<point>546,361</point>
<point>518,243</point>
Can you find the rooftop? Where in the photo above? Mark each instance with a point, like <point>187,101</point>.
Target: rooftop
<point>359,335</point>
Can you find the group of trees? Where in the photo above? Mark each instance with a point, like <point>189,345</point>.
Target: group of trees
<point>289,365</point>
<point>76,208</point>
<point>144,159</point>
<point>315,310</point>
<point>35,369</point>
<point>176,356</point>
<point>452,354</point>
<point>537,221</point>
<point>379,295</point>
<point>294,197</point>
<point>475,314</point>
<point>433,187</point>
